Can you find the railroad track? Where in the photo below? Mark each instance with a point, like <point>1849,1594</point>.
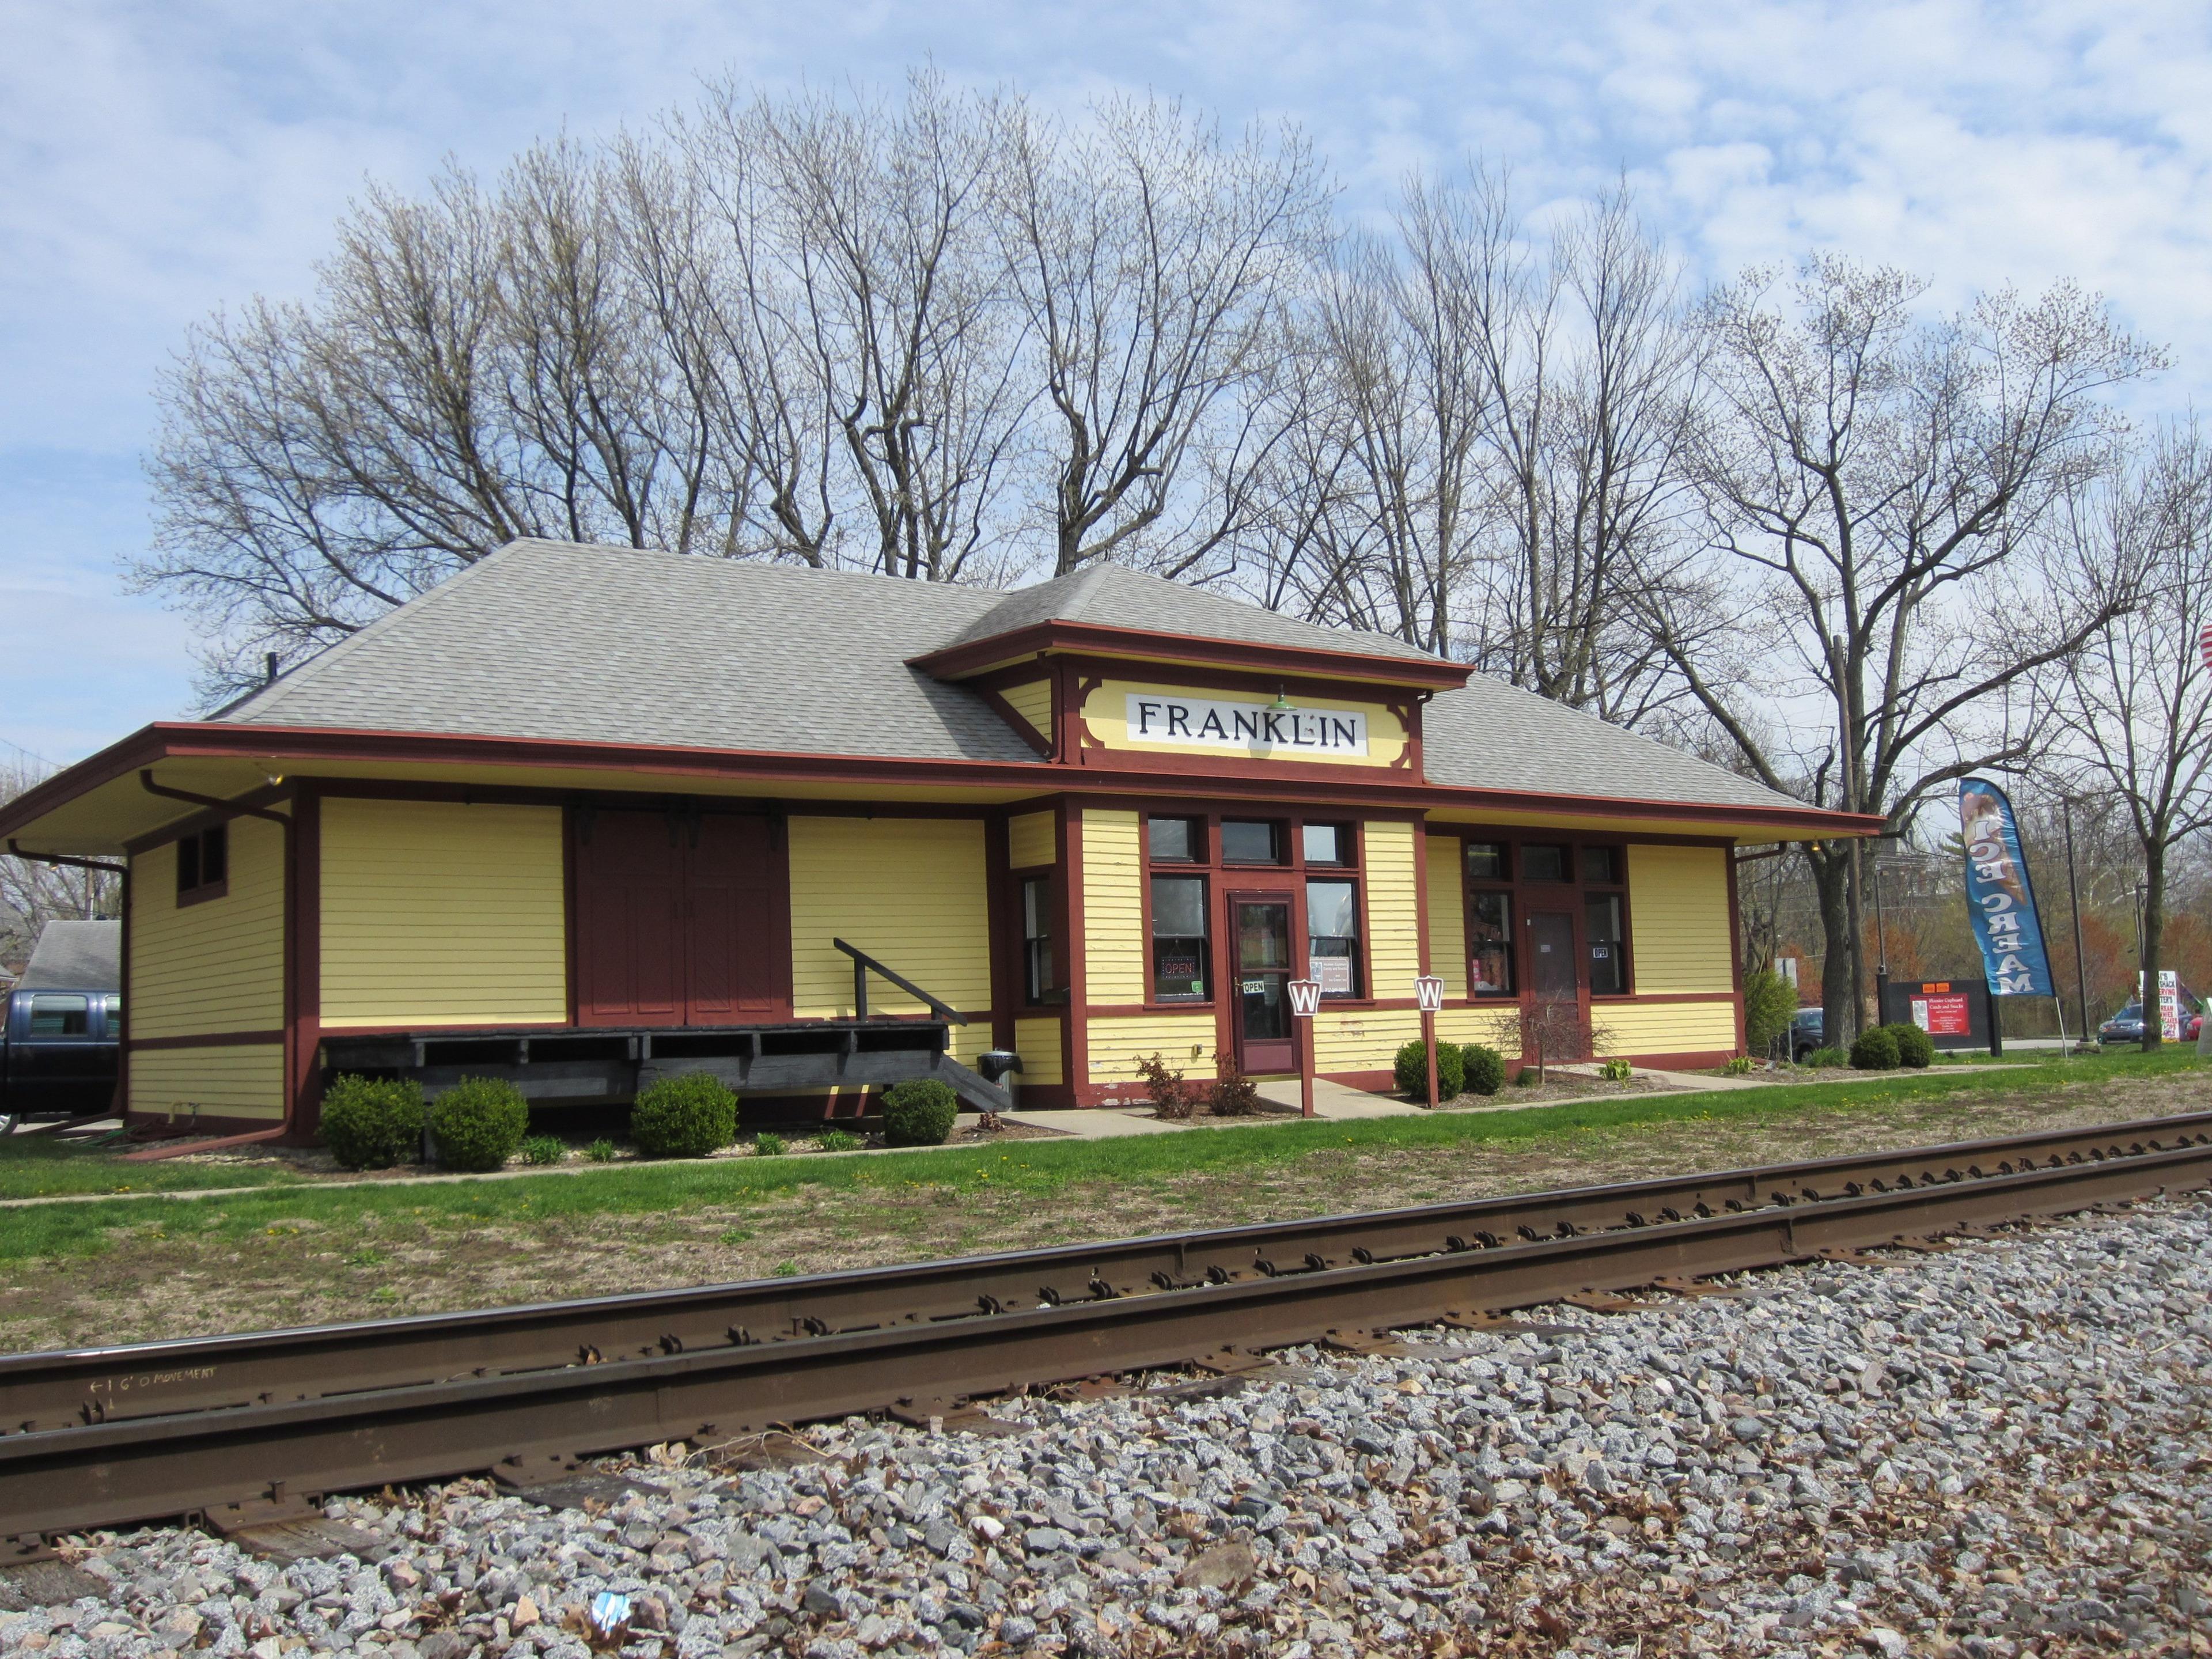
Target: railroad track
<point>253,1426</point>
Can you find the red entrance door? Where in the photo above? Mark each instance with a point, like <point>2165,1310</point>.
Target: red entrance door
<point>1556,987</point>
<point>1266,1041</point>
<point>680,920</point>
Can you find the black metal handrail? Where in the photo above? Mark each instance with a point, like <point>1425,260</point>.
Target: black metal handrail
<point>862,962</point>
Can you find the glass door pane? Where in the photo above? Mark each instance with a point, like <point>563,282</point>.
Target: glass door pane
<point>1265,1039</point>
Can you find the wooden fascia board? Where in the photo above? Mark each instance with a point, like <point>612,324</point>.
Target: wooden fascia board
<point>979,656</point>
<point>289,744</point>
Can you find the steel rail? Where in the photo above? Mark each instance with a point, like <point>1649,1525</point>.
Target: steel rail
<point>134,1469</point>
<point>69,1387</point>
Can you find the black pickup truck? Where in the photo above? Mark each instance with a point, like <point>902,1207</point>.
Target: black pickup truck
<point>57,1054</point>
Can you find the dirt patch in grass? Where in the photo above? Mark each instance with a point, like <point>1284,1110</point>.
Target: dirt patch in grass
<point>1567,1086</point>
<point>182,1267</point>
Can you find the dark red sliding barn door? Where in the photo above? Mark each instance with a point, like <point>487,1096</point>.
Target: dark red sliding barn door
<point>740,939</point>
<point>680,920</point>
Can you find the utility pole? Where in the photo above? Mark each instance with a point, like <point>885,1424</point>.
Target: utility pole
<point>1880,949</point>
<point>2074,898</point>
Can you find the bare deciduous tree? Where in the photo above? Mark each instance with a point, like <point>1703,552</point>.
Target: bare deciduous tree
<point>1149,257</point>
<point>34,893</point>
<point>1868,479</point>
<point>2134,704</point>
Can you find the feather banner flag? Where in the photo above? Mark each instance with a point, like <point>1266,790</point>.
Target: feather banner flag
<point>1999,895</point>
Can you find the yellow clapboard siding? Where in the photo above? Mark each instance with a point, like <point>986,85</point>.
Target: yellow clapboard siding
<point>1032,701</point>
<point>439,914</point>
<point>218,965</point>
<point>214,1082</point>
<point>911,892</point>
<point>1185,1041</point>
<point>1112,909</point>
<point>1032,840</point>
<point>1493,1027</point>
<point>1666,1028</point>
<point>1037,1042</point>
<point>1679,925</point>
<point>1447,914</point>
<point>1394,916</point>
<point>1362,1040</point>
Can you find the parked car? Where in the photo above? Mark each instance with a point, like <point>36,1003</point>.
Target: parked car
<point>2126,1026</point>
<point>57,1054</point>
<point>1805,1033</point>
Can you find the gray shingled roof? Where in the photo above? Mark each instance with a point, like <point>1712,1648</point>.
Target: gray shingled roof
<point>1112,596</point>
<point>76,956</point>
<point>614,645</point>
<point>1490,735</point>
<point>561,640</point>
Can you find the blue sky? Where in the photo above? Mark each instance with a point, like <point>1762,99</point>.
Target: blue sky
<point>158,161</point>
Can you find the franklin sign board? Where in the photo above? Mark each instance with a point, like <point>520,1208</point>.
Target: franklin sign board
<point>1252,727</point>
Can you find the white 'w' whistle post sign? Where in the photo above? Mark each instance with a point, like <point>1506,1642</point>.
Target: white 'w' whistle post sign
<point>1429,992</point>
<point>1305,1002</point>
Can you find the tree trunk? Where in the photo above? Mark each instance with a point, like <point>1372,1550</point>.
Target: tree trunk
<point>2153,930</point>
<point>1839,1020</point>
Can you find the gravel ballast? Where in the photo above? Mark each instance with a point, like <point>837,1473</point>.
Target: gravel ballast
<point>2003,1448</point>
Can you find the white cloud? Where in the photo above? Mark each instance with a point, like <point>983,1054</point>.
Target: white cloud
<point>157,159</point>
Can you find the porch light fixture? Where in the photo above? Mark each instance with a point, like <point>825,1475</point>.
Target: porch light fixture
<point>1282,704</point>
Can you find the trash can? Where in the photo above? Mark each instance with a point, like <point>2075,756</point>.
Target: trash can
<point>998,1065</point>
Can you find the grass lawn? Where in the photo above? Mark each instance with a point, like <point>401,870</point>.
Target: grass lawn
<point>133,1266</point>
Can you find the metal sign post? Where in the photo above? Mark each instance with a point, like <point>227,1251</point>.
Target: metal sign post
<point>1305,1002</point>
<point>1429,992</point>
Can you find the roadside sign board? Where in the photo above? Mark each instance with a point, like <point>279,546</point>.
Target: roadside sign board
<point>1305,998</point>
<point>1429,992</point>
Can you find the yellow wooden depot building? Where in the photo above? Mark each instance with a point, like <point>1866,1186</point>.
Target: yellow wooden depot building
<point>583,815</point>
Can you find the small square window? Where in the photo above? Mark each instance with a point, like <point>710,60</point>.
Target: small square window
<point>1541,862</point>
<point>1485,860</point>
<point>1175,840</point>
<point>1328,843</point>
<point>1601,866</point>
<point>1251,842</point>
<point>203,862</point>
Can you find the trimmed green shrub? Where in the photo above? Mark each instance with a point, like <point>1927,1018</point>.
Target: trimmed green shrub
<point>768,1145</point>
<point>1824,1058</point>
<point>1769,1000</point>
<point>1526,1077</point>
<point>837,1140</point>
<point>543,1149</point>
<point>1875,1051</point>
<point>1914,1046</point>
<point>373,1123</point>
<point>688,1115</point>
<point>920,1112</point>
<point>478,1123</point>
<point>1483,1069</point>
<point>601,1151</point>
<point>1411,1070</point>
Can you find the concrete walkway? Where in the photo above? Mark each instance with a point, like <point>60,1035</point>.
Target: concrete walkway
<point>1332,1103</point>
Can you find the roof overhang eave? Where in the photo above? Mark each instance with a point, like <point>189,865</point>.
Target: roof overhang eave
<point>277,748</point>
<point>974,657</point>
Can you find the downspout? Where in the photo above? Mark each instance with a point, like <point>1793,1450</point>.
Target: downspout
<point>122,873</point>
<point>230,809</point>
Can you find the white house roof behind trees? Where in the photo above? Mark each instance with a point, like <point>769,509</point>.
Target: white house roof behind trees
<point>572,643</point>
